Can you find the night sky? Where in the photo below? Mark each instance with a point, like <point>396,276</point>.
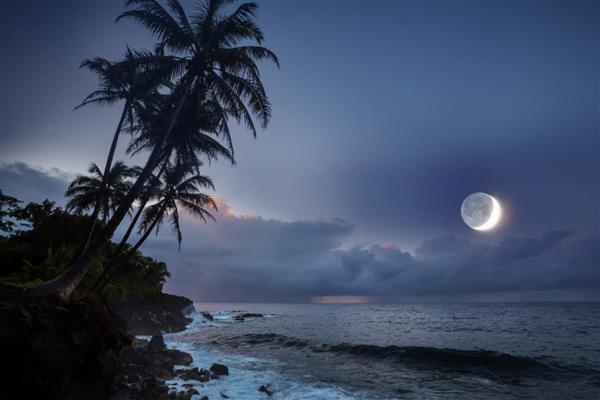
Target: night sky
<point>386,115</point>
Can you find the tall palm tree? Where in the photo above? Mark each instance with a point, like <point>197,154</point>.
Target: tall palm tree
<point>150,191</point>
<point>216,62</point>
<point>195,137</point>
<point>192,145</point>
<point>179,191</point>
<point>134,80</point>
<point>85,190</point>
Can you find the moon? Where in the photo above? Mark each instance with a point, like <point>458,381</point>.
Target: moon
<point>480,211</point>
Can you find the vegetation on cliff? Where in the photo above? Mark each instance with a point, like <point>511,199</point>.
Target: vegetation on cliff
<point>41,240</point>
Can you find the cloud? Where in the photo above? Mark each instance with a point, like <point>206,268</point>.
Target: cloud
<point>248,258</point>
<point>243,258</point>
<point>29,183</point>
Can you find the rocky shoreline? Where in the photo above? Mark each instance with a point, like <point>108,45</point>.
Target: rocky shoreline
<point>153,315</point>
<point>144,366</point>
<point>87,350</point>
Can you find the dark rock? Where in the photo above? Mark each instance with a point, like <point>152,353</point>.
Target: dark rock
<point>187,395</point>
<point>204,398</point>
<point>208,316</point>
<point>179,357</point>
<point>266,389</point>
<point>223,395</point>
<point>153,315</point>
<point>153,387</point>
<point>157,344</point>
<point>50,348</point>
<point>75,351</point>
<point>139,363</point>
<point>194,374</point>
<point>142,361</point>
<point>243,316</point>
<point>219,369</point>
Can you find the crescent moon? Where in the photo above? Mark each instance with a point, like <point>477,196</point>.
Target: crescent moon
<point>494,217</point>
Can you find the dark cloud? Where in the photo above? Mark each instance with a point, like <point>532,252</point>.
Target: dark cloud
<point>250,258</point>
<point>254,259</point>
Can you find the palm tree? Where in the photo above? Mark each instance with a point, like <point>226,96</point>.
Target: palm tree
<point>85,190</point>
<point>150,191</point>
<point>178,191</point>
<point>132,80</point>
<point>217,64</point>
<point>192,144</point>
<point>192,137</point>
<point>135,79</point>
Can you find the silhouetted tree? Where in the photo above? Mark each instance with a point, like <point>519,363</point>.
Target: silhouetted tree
<point>8,206</point>
<point>215,58</point>
<point>178,190</point>
<point>86,190</point>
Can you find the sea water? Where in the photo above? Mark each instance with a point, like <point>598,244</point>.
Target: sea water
<point>368,351</point>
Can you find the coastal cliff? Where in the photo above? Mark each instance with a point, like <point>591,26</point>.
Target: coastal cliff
<point>153,315</point>
<point>85,349</point>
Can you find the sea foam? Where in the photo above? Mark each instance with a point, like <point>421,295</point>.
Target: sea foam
<point>246,374</point>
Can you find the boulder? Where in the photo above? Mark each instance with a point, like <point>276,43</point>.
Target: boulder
<point>179,357</point>
<point>187,395</point>
<point>243,316</point>
<point>219,369</point>
<point>208,316</point>
<point>266,389</point>
<point>157,344</point>
<point>194,374</point>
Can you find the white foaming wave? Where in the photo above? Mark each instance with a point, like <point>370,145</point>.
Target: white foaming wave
<point>224,317</point>
<point>247,374</point>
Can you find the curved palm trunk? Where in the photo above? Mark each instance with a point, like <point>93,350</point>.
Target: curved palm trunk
<point>109,160</point>
<point>99,283</point>
<point>108,272</point>
<point>65,284</point>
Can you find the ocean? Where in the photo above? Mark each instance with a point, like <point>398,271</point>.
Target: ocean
<point>371,351</point>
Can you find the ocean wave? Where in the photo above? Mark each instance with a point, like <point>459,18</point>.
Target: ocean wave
<point>493,364</point>
<point>431,355</point>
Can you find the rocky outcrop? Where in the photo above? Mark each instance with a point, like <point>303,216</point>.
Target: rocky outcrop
<point>219,369</point>
<point>208,316</point>
<point>142,369</point>
<point>243,316</point>
<point>153,315</point>
<point>194,374</point>
<point>75,351</point>
<point>266,389</point>
<point>50,350</point>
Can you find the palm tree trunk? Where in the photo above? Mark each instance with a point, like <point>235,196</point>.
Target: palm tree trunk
<point>98,283</point>
<point>108,272</point>
<point>104,275</point>
<point>109,160</point>
<point>65,284</point>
